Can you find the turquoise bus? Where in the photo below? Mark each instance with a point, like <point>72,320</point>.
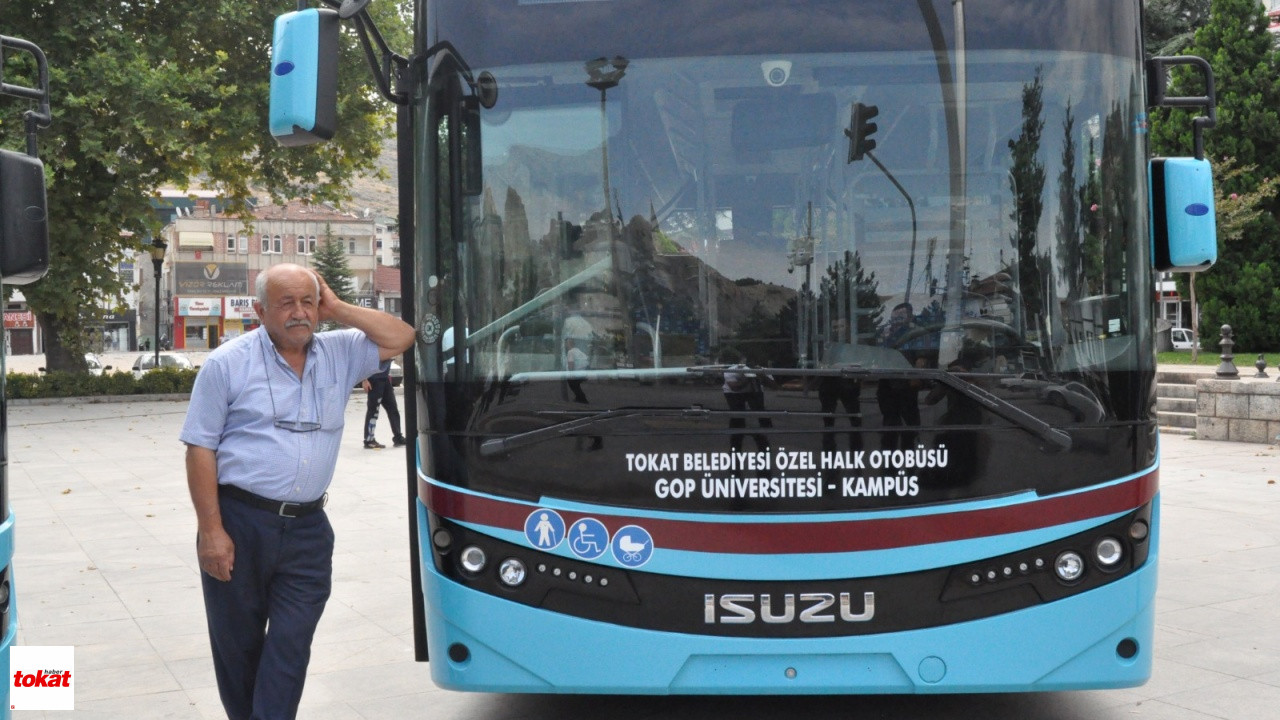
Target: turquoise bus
<point>771,347</point>
<point>24,257</point>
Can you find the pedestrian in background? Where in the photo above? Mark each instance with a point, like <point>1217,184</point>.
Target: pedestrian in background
<point>380,392</point>
<point>262,433</point>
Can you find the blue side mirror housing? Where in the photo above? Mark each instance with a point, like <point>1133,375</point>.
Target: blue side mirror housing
<point>304,77</point>
<point>1184,233</point>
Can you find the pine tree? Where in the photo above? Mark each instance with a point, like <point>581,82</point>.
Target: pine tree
<point>330,260</point>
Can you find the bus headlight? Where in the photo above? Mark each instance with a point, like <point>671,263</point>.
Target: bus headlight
<point>473,559</point>
<point>1108,552</point>
<point>1069,566</point>
<point>512,572</point>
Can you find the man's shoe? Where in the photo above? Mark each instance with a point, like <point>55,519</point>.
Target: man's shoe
<point>398,442</point>
<point>373,445</point>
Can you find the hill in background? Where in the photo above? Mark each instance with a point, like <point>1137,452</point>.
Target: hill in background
<point>374,193</point>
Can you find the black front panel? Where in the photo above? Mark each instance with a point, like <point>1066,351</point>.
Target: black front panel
<point>717,460</point>
<point>820,608</point>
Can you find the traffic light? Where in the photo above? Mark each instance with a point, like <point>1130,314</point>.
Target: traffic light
<point>860,130</point>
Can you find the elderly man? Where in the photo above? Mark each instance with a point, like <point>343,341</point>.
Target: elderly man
<point>262,435</point>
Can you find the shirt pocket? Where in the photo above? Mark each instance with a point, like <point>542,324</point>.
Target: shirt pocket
<point>332,399</point>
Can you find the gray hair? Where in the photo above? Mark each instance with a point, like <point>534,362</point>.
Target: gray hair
<point>260,284</point>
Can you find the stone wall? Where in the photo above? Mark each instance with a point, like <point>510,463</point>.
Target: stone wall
<point>1244,410</point>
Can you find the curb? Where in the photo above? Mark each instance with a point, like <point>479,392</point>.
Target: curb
<point>99,399</point>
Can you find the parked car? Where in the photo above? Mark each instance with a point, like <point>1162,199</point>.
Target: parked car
<point>95,364</point>
<point>1183,339</point>
<point>146,362</point>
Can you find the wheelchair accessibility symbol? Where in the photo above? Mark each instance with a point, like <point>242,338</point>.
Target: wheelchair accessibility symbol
<point>632,546</point>
<point>588,538</point>
<point>544,529</point>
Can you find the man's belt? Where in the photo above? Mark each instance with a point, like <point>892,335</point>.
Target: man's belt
<point>277,507</point>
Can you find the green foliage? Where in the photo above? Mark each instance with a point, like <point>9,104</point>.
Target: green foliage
<point>330,260</point>
<point>1240,290</point>
<point>1246,68</point>
<point>166,380</point>
<point>1170,25</point>
<point>153,94</point>
<point>63,384</point>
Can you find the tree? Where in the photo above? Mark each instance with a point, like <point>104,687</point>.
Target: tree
<point>1240,290</point>
<point>1170,25</point>
<point>1026,184</point>
<point>330,260</point>
<point>1237,213</point>
<point>846,277</point>
<point>151,94</point>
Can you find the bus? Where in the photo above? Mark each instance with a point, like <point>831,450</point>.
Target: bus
<point>24,258</point>
<point>775,347</point>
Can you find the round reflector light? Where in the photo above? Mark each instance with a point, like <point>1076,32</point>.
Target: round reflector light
<point>1069,566</point>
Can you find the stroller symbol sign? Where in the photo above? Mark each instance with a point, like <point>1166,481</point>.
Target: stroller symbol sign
<point>632,546</point>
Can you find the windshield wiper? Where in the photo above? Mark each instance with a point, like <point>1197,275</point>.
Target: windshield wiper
<point>498,446</point>
<point>991,402</point>
<point>995,404</point>
<point>572,427</point>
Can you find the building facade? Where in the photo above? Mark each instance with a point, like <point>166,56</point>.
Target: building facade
<point>214,258</point>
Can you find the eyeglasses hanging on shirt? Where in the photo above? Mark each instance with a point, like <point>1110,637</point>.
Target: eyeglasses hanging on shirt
<point>297,425</point>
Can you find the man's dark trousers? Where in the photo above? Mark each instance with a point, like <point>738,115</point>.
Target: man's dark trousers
<point>381,393</point>
<point>281,579</point>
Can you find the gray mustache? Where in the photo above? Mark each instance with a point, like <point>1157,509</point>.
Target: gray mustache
<point>296,323</point>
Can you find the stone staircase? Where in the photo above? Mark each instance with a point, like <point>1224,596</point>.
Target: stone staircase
<point>1176,400</point>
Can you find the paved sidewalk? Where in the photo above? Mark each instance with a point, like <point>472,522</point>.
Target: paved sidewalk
<point>105,561</point>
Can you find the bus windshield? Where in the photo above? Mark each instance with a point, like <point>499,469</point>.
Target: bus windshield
<point>879,192</point>
<point>687,210</point>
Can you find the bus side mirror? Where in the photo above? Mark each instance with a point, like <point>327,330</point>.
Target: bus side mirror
<point>1184,235</point>
<point>24,222</point>
<point>304,77</point>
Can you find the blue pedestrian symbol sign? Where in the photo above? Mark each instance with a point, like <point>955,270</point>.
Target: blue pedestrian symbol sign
<point>632,546</point>
<point>588,538</point>
<point>544,529</point>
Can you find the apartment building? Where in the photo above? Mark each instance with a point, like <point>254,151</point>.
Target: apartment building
<point>214,259</point>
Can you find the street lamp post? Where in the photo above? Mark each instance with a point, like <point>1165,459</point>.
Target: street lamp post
<point>602,79</point>
<point>157,249</point>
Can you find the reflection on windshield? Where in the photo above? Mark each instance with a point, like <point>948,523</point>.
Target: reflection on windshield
<point>700,209</point>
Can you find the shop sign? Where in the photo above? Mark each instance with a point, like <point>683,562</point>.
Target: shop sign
<point>20,319</point>
<point>199,307</point>
<point>240,307</point>
<point>211,278</point>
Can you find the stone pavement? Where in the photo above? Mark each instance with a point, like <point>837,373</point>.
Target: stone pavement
<point>105,562</point>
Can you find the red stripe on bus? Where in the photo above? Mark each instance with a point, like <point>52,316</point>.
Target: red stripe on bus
<point>818,535</point>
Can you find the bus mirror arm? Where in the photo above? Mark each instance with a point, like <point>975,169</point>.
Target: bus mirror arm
<point>484,87</point>
<point>384,64</point>
<point>34,119</point>
<point>1158,88</point>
